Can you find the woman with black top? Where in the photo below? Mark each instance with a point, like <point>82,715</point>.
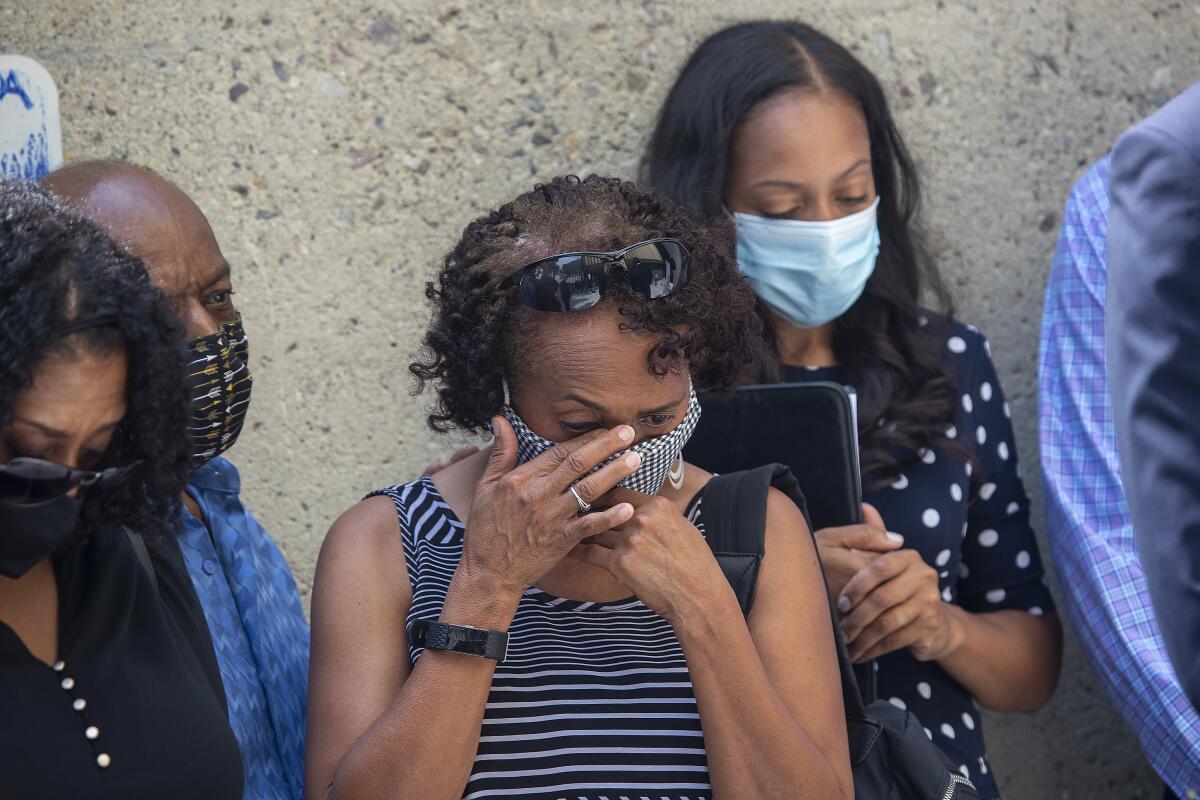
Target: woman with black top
<point>108,682</point>
<point>783,129</point>
<point>520,625</point>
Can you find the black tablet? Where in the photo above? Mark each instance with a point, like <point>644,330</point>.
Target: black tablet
<point>811,427</point>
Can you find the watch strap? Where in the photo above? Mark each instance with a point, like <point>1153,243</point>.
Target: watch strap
<point>434,635</point>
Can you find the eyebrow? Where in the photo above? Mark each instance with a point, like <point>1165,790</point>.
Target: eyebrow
<point>55,433</point>
<point>658,410</point>
<point>796,185</point>
<point>224,273</point>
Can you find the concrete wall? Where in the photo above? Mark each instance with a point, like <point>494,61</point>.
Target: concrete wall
<point>339,148</point>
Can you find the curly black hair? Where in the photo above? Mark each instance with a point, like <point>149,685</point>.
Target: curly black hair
<point>480,335</point>
<point>55,268</point>
<point>891,346</point>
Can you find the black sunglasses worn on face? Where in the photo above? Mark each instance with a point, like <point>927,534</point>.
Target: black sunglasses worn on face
<point>577,281</point>
<point>31,480</point>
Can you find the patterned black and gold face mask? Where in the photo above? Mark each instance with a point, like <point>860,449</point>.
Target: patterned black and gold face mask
<point>219,383</point>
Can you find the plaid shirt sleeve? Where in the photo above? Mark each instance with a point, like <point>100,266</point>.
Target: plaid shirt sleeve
<point>1090,532</point>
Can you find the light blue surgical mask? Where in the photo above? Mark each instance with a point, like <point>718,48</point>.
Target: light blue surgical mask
<point>808,272</point>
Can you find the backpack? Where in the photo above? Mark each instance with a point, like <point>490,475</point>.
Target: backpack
<point>890,755</point>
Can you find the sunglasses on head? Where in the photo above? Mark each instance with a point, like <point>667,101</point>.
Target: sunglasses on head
<point>577,281</point>
<point>24,481</point>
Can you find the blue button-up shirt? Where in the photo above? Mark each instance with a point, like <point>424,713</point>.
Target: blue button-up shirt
<point>258,631</point>
<point>1088,521</point>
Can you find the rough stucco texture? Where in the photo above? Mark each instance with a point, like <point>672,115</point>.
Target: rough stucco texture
<point>339,149</point>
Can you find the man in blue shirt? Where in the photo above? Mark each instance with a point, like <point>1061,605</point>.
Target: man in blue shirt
<point>243,583</point>
<point>1102,580</point>
<point>1154,359</point>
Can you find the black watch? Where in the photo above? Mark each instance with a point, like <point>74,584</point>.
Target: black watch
<point>433,635</point>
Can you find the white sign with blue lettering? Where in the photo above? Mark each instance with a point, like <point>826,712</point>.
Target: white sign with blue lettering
<point>30,132</point>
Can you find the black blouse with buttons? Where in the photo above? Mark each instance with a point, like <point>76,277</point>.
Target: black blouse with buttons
<point>131,710</point>
<point>974,529</point>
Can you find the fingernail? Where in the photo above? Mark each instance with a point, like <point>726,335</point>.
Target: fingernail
<point>624,511</point>
<point>843,604</point>
<point>632,460</point>
<point>895,537</point>
<point>625,433</point>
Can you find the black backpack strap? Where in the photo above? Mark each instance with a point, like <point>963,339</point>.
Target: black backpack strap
<point>738,546</point>
<point>735,521</point>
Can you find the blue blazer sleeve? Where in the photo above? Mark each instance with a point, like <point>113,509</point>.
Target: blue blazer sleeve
<point>1152,326</point>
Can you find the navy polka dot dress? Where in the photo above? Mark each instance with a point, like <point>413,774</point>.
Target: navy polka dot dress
<point>974,529</point>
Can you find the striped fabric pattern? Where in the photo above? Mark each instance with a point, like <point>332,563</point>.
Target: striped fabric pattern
<point>594,701</point>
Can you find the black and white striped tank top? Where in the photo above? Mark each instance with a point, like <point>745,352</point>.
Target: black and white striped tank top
<point>594,701</point>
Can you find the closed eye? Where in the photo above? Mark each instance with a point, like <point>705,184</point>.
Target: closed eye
<point>853,201</point>
<point>791,212</point>
<point>90,459</point>
<point>578,428</point>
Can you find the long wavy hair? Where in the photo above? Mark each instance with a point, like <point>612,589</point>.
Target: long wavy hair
<point>889,343</point>
<point>480,334</point>
<point>56,268</point>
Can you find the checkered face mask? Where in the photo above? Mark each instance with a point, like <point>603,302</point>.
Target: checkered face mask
<point>658,454</point>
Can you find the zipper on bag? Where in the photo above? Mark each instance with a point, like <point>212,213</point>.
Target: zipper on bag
<point>956,781</point>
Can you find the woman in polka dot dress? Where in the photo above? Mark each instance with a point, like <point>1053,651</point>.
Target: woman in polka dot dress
<point>782,127</point>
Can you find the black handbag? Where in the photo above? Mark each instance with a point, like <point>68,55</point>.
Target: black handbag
<point>890,755</point>
<point>193,623</point>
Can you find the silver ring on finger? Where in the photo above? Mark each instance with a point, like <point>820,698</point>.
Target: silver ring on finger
<point>584,505</point>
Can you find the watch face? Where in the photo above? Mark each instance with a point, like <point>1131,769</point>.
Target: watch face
<point>433,635</point>
<point>459,639</point>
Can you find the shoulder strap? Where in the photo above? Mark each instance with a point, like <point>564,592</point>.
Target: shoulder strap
<point>178,595</point>
<point>143,555</point>
<point>731,504</point>
<point>735,522</point>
